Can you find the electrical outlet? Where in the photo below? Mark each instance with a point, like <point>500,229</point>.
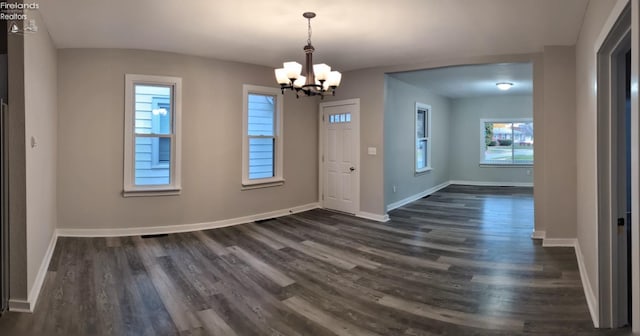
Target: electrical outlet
<point>529,172</point>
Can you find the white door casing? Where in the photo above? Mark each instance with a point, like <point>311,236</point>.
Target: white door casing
<point>340,155</point>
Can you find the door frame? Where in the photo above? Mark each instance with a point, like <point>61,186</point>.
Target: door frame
<point>619,33</point>
<point>355,123</point>
<point>4,223</point>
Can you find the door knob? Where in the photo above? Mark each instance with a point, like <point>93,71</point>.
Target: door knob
<point>352,168</point>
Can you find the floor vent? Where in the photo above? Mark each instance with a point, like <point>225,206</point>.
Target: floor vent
<point>154,236</point>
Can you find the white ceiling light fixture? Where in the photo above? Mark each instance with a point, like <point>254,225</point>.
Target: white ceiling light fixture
<point>316,80</point>
<point>504,86</point>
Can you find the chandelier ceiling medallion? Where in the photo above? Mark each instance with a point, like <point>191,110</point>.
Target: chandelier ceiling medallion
<point>316,80</point>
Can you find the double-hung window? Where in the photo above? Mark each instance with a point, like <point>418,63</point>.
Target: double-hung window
<point>262,145</point>
<point>423,138</point>
<point>506,142</point>
<point>152,135</point>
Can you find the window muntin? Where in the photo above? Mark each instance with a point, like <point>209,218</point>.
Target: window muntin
<point>152,115</point>
<point>262,140</point>
<point>506,142</point>
<point>422,138</point>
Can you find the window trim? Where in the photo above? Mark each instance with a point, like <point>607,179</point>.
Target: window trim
<point>427,108</point>
<point>483,163</point>
<point>129,186</point>
<point>278,178</point>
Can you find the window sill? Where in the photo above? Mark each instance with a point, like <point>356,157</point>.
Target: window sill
<point>506,165</point>
<point>151,192</point>
<point>249,185</point>
<point>422,171</point>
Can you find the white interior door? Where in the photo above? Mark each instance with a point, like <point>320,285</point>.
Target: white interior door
<point>340,173</point>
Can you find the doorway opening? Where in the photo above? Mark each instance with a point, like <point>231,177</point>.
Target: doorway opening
<point>615,130</point>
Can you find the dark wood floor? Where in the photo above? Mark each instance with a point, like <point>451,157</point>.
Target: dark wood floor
<point>460,262</point>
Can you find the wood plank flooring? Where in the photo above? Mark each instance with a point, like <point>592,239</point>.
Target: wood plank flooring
<point>460,262</point>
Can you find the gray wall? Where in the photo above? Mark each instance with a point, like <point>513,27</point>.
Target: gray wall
<point>399,126</point>
<point>41,123</point>
<point>465,137</point>
<point>368,85</point>
<point>18,289</point>
<point>91,107</point>
<point>585,120</point>
<point>559,140</point>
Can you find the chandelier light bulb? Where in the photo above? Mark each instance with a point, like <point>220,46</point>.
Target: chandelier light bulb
<point>281,76</point>
<point>293,69</point>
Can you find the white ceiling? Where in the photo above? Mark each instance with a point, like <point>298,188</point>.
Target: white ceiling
<point>473,80</point>
<point>348,34</point>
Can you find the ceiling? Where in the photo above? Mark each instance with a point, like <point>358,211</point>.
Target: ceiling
<point>348,35</point>
<point>473,80</point>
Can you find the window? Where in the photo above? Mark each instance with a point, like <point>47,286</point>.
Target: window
<point>152,135</point>
<point>506,142</point>
<point>423,138</point>
<point>262,136</point>
<point>340,118</point>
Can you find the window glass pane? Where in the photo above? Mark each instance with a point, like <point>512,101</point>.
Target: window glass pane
<point>343,118</point>
<point>152,109</point>
<point>331,119</point>
<point>421,154</point>
<point>348,117</point>
<point>147,171</point>
<point>508,143</point>
<point>498,143</point>
<point>261,158</point>
<point>421,124</point>
<point>523,142</point>
<point>164,150</point>
<point>261,114</point>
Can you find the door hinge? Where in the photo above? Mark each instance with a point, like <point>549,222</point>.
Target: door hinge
<point>323,118</point>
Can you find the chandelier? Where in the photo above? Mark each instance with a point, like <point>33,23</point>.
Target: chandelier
<point>318,80</point>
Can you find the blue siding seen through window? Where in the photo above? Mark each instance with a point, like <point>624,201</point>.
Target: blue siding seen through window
<point>261,133</point>
<point>153,128</point>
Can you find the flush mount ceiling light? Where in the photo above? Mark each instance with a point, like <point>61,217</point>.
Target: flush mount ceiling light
<point>316,80</point>
<point>504,86</point>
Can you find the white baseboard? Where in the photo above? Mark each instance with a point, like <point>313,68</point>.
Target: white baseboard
<point>592,303</point>
<point>152,230</point>
<point>372,216</point>
<point>27,306</point>
<point>20,306</point>
<point>492,184</point>
<point>34,293</point>
<point>559,242</point>
<point>538,234</point>
<point>416,197</point>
